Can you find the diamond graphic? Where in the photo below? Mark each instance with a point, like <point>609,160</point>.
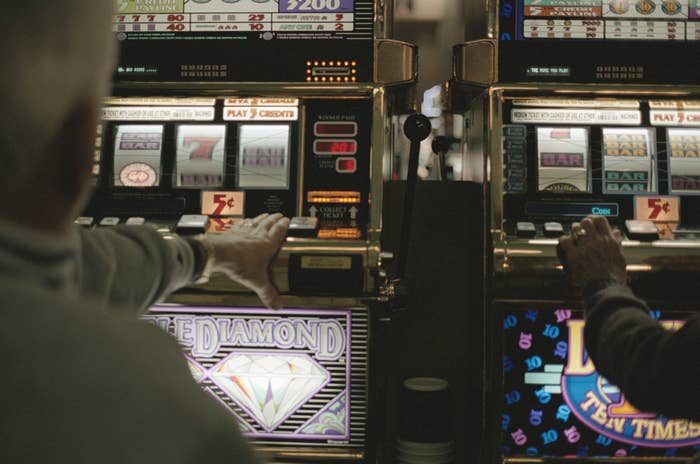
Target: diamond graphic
<point>270,386</point>
<point>243,426</point>
<point>197,371</point>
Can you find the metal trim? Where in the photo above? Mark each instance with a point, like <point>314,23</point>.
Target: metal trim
<point>476,62</point>
<point>234,89</point>
<point>395,62</point>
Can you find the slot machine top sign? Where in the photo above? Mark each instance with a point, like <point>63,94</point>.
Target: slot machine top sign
<point>643,41</point>
<point>245,40</point>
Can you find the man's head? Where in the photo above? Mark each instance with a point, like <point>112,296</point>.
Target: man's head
<point>56,62</point>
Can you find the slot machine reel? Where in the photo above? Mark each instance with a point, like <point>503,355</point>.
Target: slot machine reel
<point>393,288</point>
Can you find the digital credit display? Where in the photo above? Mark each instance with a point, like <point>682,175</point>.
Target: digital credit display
<point>572,210</point>
<point>555,403</point>
<point>335,147</point>
<point>218,40</point>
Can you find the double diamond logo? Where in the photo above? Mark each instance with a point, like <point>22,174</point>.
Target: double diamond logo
<point>269,386</point>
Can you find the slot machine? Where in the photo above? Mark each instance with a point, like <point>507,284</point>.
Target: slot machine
<point>223,110</point>
<point>573,109</point>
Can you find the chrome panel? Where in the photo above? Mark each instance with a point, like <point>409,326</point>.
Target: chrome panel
<point>280,268</point>
<point>395,62</point>
<point>311,454</point>
<point>384,19</point>
<point>530,268</point>
<point>476,62</point>
<point>217,89</point>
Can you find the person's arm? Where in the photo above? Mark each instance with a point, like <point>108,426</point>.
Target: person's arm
<point>658,370</point>
<point>133,267</point>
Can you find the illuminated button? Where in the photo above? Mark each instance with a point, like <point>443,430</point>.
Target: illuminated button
<point>343,233</point>
<point>85,221</point>
<point>109,221</point>
<point>553,229</point>
<point>346,165</point>
<point>135,221</point>
<point>643,230</point>
<point>325,196</point>
<point>192,224</point>
<point>525,229</point>
<point>303,227</point>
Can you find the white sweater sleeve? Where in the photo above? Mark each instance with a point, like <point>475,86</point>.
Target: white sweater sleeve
<point>132,267</point>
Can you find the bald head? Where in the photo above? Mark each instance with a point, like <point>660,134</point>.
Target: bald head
<point>56,56</point>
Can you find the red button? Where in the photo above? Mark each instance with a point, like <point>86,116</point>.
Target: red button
<point>346,165</point>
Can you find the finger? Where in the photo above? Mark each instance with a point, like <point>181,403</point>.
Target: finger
<point>268,222</point>
<point>617,235</point>
<point>576,229</point>
<point>255,222</point>
<point>240,224</point>
<point>588,226</point>
<point>278,231</point>
<point>602,225</point>
<point>561,254</point>
<point>269,296</point>
<point>566,243</point>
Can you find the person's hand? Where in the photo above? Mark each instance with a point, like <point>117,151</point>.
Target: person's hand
<point>247,250</point>
<point>592,252</point>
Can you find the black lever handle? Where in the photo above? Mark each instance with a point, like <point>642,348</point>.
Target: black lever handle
<point>441,145</point>
<point>417,128</point>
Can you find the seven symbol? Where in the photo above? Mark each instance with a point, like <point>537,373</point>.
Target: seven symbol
<point>657,207</point>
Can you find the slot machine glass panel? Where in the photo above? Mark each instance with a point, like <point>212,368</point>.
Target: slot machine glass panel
<point>555,404</point>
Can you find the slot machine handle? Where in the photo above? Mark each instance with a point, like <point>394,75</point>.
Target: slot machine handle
<point>417,128</point>
<point>440,146</point>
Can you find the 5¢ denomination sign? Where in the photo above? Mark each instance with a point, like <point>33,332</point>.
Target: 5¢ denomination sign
<point>223,203</point>
<point>657,208</point>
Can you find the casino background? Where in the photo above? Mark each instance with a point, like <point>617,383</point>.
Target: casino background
<point>449,323</point>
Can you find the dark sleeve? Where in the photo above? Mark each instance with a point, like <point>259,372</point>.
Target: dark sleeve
<point>657,369</point>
